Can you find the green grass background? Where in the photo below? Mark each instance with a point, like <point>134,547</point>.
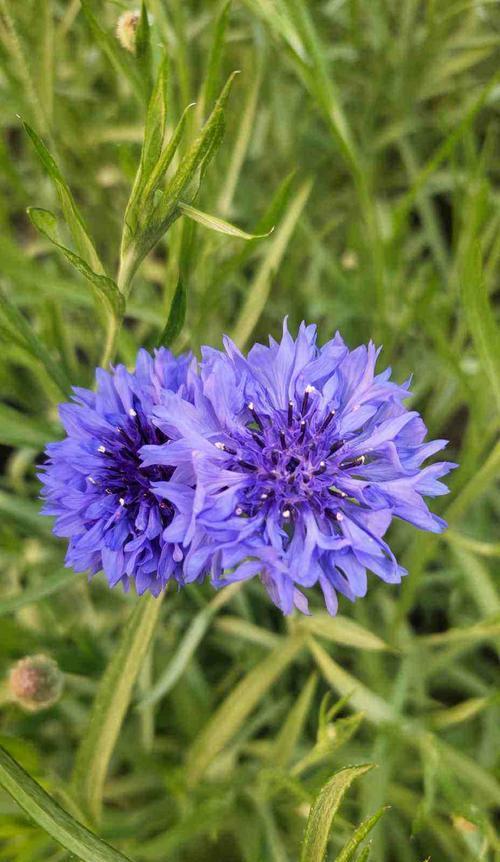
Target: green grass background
<point>367,132</point>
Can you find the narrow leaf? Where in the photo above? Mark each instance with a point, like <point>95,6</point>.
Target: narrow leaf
<point>344,631</point>
<point>376,709</point>
<point>105,287</point>
<point>111,704</point>
<point>176,317</point>
<point>202,150</point>
<point>49,815</point>
<point>211,77</point>
<point>481,320</point>
<point>24,335</point>
<point>22,429</point>
<point>188,645</point>
<point>218,224</point>
<point>347,853</point>
<point>323,812</point>
<point>261,285</point>
<point>50,584</point>
<point>143,50</point>
<point>289,735</point>
<point>72,215</point>
<point>228,718</point>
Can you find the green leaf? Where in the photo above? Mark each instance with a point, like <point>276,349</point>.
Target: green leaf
<point>363,856</point>
<point>176,316</point>
<point>480,318</point>
<point>117,56</point>
<point>49,815</point>
<point>187,647</point>
<point>347,853</point>
<point>24,335</point>
<point>73,218</point>
<point>331,737</point>
<point>323,812</point>
<point>26,513</point>
<point>111,704</point>
<point>261,285</point>
<point>143,50</point>
<point>22,429</point>
<point>105,288</point>
<point>211,77</point>
<point>200,153</point>
<point>152,211</point>
<point>344,631</point>
<point>289,735</point>
<point>376,709</point>
<point>228,718</point>
<point>50,584</point>
<point>218,224</point>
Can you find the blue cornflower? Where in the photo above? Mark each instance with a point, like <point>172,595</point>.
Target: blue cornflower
<point>98,489</point>
<point>300,457</point>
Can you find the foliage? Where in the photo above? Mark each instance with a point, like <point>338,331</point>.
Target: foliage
<point>363,133</point>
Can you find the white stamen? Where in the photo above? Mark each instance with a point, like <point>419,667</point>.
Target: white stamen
<point>101,449</point>
<point>339,516</point>
<point>91,480</point>
<point>286,513</point>
<point>219,445</point>
<point>264,496</point>
<point>309,388</point>
<point>238,510</point>
<point>251,405</point>
<point>132,412</point>
<point>121,501</point>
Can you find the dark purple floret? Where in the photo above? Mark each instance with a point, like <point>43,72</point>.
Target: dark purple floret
<point>300,457</point>
<point>97,486</point>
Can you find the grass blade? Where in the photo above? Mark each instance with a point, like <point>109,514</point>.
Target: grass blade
<point>323,812</point>
<point>218,224</point>
<point>143,50</point>
<point>49,815</point>
<point>289,735</point>
<point>111,704</point>
<point>105,287</point>
<point>261,285</point>
<point>359,835</point>
<point>51,584</point>
<point>72,215</point>
<point>227,719</point>
<point>188,645</point>
<point>176,316</point>
<point>375,708</point>
<point>482,323</point>
<point>344,631</point>
<point>23,334</point>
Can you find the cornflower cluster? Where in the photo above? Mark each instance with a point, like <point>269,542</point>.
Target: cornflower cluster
<point>287,464</point>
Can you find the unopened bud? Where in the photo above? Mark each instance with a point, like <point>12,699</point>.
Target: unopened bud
<point>35,682</point>
<point>126,29</point>
<point>349,260</point>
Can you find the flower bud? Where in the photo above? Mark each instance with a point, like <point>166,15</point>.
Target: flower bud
<point>126,28</point>
<point>35,682</point>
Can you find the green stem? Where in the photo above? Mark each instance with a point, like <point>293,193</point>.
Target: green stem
<point>110,706</point>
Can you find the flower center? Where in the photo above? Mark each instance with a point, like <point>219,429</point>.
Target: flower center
<point>294,459</point>
<point>121,472</point>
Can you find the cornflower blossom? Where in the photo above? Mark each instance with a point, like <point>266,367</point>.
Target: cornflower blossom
<point>300,457</point>
<point>96,485</point>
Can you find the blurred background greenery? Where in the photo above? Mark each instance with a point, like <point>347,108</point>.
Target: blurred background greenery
<point>365,131</point>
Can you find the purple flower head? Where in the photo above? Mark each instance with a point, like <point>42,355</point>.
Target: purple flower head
<point>98,489</point>
<point>300,456</point>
